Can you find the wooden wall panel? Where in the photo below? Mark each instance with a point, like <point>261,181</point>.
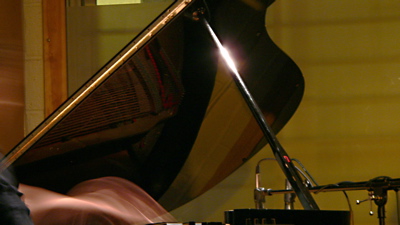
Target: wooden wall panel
<point>54,54</point>
<point>11,74</point>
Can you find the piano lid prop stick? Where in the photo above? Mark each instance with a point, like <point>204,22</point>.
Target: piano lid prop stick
<point>281,156</point>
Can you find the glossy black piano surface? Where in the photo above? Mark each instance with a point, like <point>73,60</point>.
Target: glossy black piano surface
<point>148,119</point>
<point>286,217</point>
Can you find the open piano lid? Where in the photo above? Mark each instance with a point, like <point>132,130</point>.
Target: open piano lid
<point>162,113</point>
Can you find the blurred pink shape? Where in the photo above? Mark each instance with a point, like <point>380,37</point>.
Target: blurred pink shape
<point>107,200</point>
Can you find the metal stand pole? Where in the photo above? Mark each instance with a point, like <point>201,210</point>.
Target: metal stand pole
<point>380,201</point>
<point>281,156</point>
<point>381,215</point>
<point>397,205</point>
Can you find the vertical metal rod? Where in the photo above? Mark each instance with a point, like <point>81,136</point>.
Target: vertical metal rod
<point>381,214</point>
<point>397,205</point>
<point>280,154</point>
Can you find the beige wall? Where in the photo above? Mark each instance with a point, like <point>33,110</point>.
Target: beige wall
<point>347,127</point>
<point>34,82</point>
<point>103,36</point>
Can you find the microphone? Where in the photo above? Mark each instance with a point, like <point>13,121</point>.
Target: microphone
<point>289,197</point>
<point>259,197</point>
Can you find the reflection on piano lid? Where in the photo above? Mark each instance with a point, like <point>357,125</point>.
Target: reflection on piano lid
<point>162,113</point>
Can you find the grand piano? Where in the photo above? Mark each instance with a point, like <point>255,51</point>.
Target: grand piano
<point>145,115</point>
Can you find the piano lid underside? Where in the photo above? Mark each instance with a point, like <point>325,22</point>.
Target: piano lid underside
<point>170,119</point>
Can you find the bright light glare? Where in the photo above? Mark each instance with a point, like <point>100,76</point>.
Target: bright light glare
<point>224,52</point>
<point>228,59</point>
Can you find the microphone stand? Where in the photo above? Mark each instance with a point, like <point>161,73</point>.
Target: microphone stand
<point>377,192</point>
<point>280,154</point>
